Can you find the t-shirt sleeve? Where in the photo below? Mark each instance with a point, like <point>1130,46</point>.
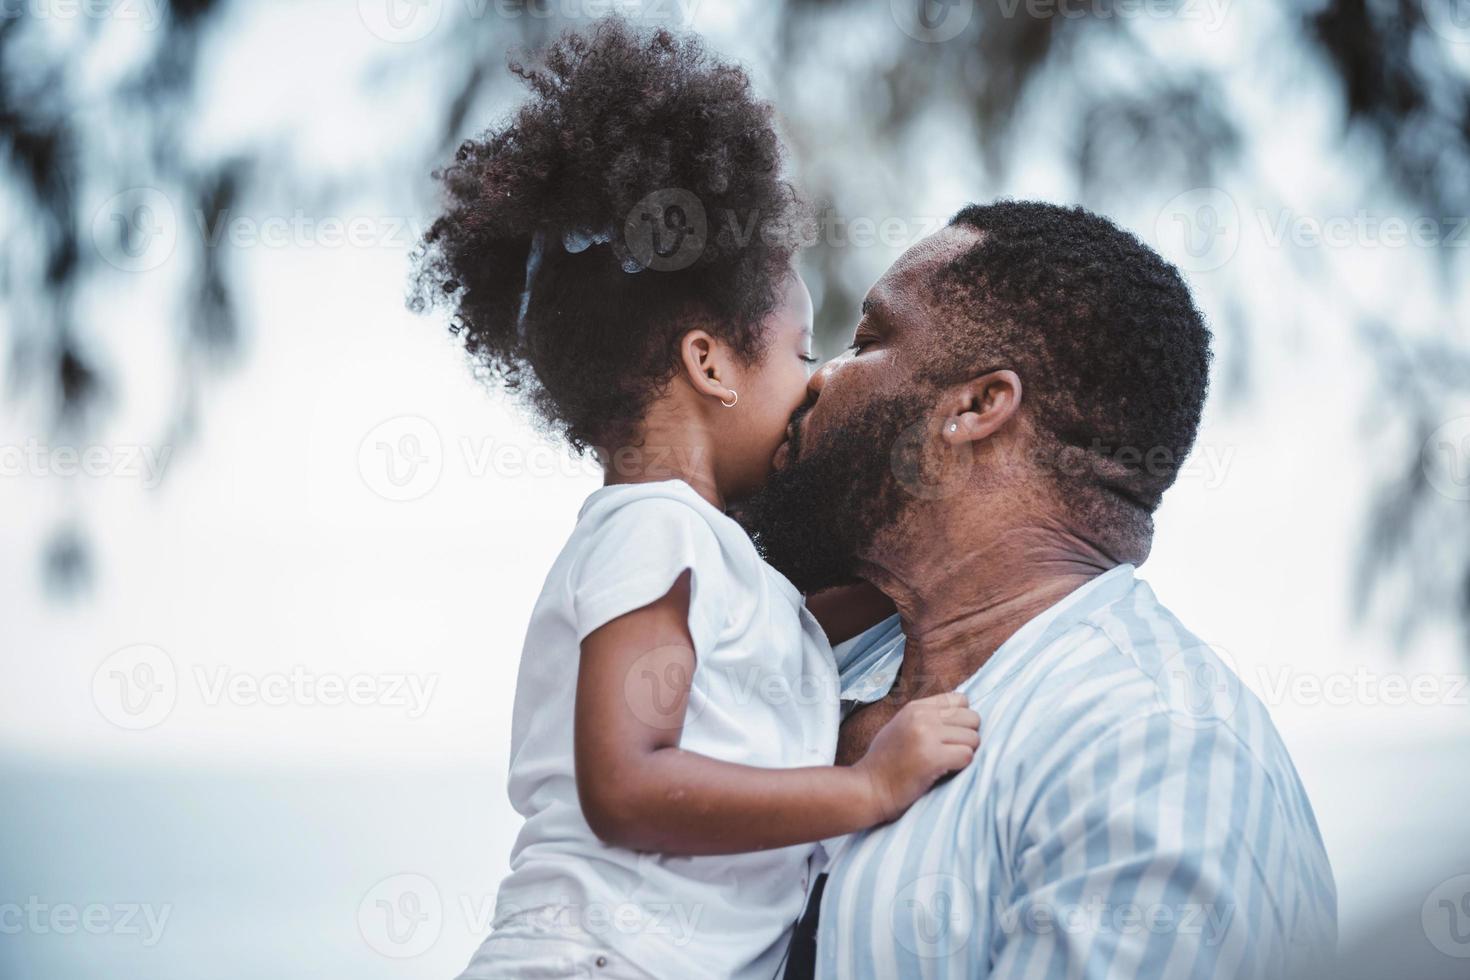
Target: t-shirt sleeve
<point>637,554</point>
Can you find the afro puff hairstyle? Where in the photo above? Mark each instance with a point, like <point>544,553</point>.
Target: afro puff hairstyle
<point>637,194</point>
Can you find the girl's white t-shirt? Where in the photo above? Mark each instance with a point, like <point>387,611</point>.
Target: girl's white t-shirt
<point>764,693</point>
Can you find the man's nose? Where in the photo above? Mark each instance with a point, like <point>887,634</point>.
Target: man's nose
<point>818,380</point>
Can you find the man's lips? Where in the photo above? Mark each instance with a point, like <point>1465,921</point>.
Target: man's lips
<point>783,451</point>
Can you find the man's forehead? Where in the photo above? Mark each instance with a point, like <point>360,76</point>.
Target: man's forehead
<point>904,286</point>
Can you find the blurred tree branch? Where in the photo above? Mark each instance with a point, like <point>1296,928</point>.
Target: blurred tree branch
<point>1402,90</point>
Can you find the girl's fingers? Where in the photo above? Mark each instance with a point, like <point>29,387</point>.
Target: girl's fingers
<point>957,756</point>
<point>961,736</point>
<point>952,708</point>
<point>966,717</point>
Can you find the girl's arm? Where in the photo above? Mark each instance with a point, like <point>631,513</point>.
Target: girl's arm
<point>846,610</point>
<point>639,790</point>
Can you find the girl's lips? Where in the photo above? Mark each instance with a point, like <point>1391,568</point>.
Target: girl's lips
<point>783,452</point>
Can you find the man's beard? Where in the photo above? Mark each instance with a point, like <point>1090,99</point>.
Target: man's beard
<point>815,518</point>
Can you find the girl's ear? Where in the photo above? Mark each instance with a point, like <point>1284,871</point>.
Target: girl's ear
<point>707,365</point>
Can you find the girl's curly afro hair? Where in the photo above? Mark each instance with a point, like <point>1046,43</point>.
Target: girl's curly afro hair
<point>637,194</point>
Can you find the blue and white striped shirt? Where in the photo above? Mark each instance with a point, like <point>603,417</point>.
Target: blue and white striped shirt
<point>1131,812</point>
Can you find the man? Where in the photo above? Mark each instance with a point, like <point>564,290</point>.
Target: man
<point>1022,388</point>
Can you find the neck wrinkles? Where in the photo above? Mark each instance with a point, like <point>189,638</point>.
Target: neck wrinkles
<point>957,609</point>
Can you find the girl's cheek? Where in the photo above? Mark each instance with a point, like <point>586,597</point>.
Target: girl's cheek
<point>799,379</point>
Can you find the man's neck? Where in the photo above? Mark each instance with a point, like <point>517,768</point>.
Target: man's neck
<point>956,613</point>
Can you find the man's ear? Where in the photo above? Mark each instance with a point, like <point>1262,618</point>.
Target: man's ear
<point>979,407</point>
<point>706,364</point>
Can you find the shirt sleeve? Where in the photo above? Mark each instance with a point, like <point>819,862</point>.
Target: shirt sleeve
<point>1156,850</point>
<point>637,554</point>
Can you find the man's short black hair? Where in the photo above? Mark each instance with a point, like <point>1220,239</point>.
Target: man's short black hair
<point>1112,353</point>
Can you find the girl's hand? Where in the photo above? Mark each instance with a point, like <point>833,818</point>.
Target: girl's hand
<point>926,739</point>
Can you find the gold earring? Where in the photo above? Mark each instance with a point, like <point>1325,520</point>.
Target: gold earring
<point>734,397</point>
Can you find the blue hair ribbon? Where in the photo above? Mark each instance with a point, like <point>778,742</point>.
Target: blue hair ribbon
<point>533,262</point>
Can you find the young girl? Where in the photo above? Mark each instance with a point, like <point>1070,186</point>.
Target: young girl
<point>621,253</point>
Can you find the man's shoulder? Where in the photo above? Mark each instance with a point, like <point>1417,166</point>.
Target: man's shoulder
<point>1129,666</point>
<point>1126,730</point>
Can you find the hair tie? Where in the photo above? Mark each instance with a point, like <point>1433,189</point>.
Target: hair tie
<point>581,239</point>
<point>574,241</point>
<point>533,262</point>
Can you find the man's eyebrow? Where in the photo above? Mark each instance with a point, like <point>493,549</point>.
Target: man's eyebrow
<point>874,308</point>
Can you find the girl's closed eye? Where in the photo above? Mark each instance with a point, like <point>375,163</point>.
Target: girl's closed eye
<point>809,358</point>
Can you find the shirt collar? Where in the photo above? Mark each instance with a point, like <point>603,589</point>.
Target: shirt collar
<point>869,662</point>
<point>1048,626</point>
